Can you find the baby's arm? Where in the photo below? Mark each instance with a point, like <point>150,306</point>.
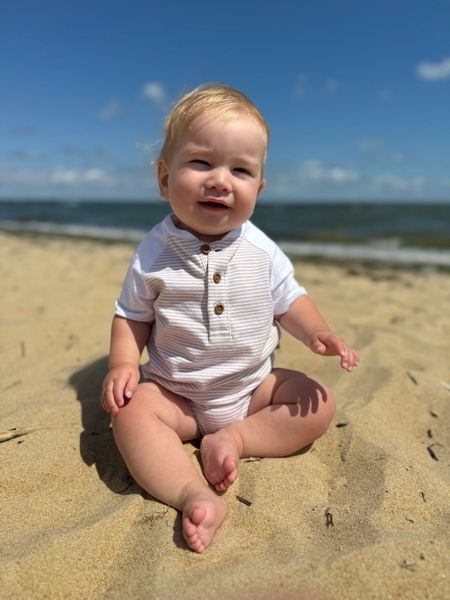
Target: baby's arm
<point>128,339</point>
<point>304,321</point>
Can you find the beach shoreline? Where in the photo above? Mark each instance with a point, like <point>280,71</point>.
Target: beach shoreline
<point>377,255</point>
<point>363,513</point>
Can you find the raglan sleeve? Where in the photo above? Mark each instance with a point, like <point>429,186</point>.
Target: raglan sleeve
<point>285,288</point>
<point>136,299</point>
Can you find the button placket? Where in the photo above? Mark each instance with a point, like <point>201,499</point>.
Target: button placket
<point>217,302</point>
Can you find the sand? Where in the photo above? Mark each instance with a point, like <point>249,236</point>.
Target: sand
<point>362,514</point>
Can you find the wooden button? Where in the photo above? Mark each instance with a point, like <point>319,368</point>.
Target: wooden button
<point>205,248</point>
<point>217,277</point>
<point>218,309</point>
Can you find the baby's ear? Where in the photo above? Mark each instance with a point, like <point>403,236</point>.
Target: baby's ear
<point>163,179</point>
<point>262,185</point>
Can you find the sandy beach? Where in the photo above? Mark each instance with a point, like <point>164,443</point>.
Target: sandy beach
<point>362,514</point>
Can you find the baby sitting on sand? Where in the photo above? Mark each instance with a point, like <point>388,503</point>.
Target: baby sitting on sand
<point>206,292</point>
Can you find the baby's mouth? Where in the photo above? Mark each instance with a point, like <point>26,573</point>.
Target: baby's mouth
<point>215,205</point>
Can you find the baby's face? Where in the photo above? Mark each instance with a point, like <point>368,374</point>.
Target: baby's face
<point>214,177</point>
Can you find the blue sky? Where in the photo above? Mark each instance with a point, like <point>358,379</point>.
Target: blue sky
<point>357,93</point>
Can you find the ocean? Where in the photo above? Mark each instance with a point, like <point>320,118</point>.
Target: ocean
<point>400,233</point>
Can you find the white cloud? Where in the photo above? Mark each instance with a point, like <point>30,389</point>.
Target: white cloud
<point>303,88</point>
<point>110,110</point>
<point>314,170</point>
<point>126,180</point>
<point>436,71</point>
<point>74,177</point>
<point>155,92</point>
<point>377,148</point>
<point>398,183</point>
<point>59,176</point>
<point>370,144</point>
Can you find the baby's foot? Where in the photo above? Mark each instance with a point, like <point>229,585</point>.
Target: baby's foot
<point>220,459</point>
<point>202,517</point>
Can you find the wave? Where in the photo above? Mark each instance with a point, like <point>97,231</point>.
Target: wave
<point>114,234</point>
<point>389,254</point>
<point>383,253</point>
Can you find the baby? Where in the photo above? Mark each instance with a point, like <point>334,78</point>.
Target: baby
<point>207,292</point>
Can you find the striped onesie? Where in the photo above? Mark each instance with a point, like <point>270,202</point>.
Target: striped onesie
<point>212,308</point>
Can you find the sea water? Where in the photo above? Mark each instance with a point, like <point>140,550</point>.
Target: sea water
<point>402,233</point>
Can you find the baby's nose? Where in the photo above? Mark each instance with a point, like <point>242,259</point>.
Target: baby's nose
<point>219,179</point>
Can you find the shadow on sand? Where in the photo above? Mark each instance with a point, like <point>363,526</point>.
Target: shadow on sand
<point>97,445</point>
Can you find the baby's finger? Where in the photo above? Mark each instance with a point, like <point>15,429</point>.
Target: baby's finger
<point>335,345</point>
<point>131,385</point>
<point>355,357</point>
<point>318,347</point>
<point>345,359</point>
<point>107,399</point>
<point>351,360</point>
<point>119,391</point>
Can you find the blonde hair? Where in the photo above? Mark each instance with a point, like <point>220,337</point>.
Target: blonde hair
<point>217,99</point>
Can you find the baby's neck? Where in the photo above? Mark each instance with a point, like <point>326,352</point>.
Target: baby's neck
<point>202,237</point>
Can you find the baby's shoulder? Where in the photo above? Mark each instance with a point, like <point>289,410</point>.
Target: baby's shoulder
<point>151,247</point>
<point>260,240</point>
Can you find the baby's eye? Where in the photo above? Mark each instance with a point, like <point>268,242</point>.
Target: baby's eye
<point>243,170</point>
<point>200,162</point>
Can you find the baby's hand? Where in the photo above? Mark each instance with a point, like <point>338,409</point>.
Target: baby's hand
<point>328,343</point>
<point>119,386</point>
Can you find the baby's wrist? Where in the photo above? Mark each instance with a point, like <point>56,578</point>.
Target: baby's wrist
<point>123,364</point>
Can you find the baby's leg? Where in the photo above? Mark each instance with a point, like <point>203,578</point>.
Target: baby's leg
<point>287,412</point>
<point>149,431</point>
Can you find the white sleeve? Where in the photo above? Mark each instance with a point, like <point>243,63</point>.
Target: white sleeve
<point>285,288</point>
<point>136,298</point>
